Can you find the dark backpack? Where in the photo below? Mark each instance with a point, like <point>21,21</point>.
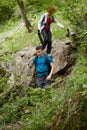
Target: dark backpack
<point>46,60</point>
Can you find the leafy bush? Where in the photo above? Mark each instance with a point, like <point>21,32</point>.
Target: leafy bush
<point>6,9</point>
<point>3,83</point>
<point>11,111</point>
<point>37,107</point>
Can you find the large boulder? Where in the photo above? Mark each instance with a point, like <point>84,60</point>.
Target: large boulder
<point>60,53</point>
<point>22,61</point>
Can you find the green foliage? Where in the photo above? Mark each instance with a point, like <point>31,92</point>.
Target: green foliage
<point>6,9</point>
<point>3,83</point>
<point>45,107</point>
<point>11,111</point>
<point>36,108</point>
<point>73,10</point>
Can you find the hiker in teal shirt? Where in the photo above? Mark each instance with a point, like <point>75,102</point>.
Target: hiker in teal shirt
<point>42,63</point>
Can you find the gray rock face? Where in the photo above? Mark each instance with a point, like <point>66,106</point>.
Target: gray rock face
<point>22,61</point>
<point>60,52</point>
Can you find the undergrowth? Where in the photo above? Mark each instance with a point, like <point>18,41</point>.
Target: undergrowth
<point>62,107</point>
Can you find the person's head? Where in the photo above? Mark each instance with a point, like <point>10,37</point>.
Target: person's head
<point>51,10</point>
<point>39,50</point>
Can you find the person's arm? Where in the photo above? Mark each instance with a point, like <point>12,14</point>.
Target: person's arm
<point>33,71</point>
<point>59,24</point>
<point>51,72</point>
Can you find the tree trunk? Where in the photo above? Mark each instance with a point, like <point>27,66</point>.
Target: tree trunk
<point>27,23</point>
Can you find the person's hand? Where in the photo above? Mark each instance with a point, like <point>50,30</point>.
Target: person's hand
<point>68,33</point>
<point>31,76</point>
<point>66,28</point>
<point>38,31</point>
<point>48,77</point>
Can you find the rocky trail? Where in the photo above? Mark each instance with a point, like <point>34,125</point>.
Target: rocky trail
<point>22,62</point>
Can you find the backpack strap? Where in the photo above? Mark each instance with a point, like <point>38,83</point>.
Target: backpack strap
<point>43,18</point>
<point>35,59</point>
<point>47,62</point>
<point>46,59</point>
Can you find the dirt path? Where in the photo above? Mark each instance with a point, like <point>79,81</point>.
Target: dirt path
<point>5,35</point>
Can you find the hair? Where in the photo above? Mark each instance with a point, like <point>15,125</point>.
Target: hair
<point>51,9</point>
<point>39,47</point>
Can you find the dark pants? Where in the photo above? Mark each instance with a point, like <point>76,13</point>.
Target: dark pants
<point>47,40</point>
<point>40,37</point>
<point>42,82</point>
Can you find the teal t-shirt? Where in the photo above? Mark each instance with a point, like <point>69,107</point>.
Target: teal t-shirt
<point>41,65</point>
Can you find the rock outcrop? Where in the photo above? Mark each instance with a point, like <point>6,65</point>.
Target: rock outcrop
<point>22,61</point>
